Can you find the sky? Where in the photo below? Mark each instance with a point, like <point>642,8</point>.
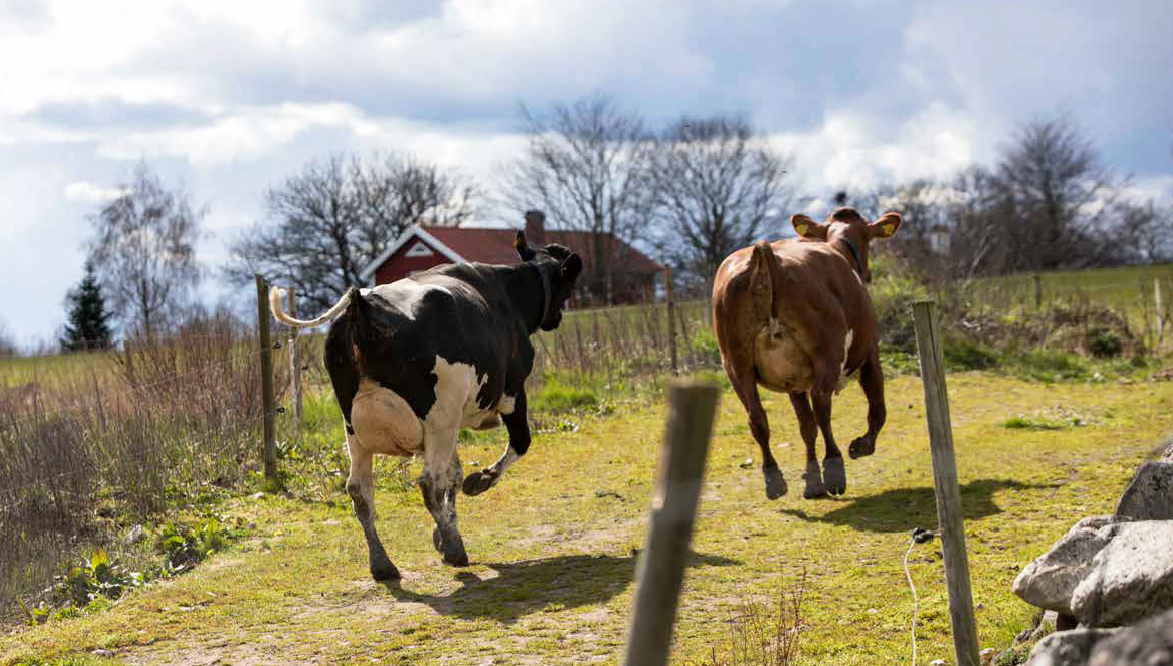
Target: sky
<point>229,98</point>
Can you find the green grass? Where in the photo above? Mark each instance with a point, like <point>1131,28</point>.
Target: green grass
<point>551,580</point>
<point>1129,288</point>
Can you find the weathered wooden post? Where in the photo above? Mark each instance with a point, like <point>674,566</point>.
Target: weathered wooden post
<point>692,409</point>
<point>952,528</point>
<point>268,403</point>
<point>671,318</point>
<point>1160,313</point>
<point>294,365</point>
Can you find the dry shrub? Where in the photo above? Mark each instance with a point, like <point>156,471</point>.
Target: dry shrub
<point>761,635</point>
<point>161,422</point>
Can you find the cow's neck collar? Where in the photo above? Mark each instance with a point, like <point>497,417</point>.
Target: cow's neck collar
<point>545,280</point>
<point>854,255</point>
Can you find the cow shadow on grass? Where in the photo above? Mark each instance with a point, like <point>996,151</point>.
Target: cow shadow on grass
<point>902,509</point>
<point>521,588</point>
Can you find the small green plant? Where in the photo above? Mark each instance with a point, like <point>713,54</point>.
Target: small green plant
<point>1052,366</point>
<point>1104,342</point>
<point>1022,423</point>
<point>966,354</point>
<point>556,397</point>
<point>184,546</point>
<point>89,584</point>
<point>704,345</point>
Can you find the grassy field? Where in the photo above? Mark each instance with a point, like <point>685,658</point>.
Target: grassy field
<point>552,545</point>
<point>1128,287</point>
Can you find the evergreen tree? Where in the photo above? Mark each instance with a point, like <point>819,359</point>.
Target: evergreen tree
<point>88,327</point>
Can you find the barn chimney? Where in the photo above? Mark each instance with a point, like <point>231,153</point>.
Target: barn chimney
<point>535,227</point>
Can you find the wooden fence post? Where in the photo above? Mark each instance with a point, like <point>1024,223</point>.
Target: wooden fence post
<point>294,366</point>
<point>692,409</point>
<point>671,319</point>
<point>1160,313</point>
<point>952,528</point>
<point>268,403</point>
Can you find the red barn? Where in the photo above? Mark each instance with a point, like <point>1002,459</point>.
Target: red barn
<point>630,276</point>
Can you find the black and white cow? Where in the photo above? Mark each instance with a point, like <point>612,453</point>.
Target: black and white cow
<point>414,361</point>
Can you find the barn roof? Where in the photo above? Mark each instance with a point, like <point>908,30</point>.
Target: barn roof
<point>495,246</point>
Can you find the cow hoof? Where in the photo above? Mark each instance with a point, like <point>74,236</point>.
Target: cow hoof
<point>384,570</point>
<point>860,447</point>
<point>453,555</point>
<point>814,482</point>
<point>775,484</point>
<point>456,559</point>
<point>834,475</point>
<point>477,483</point>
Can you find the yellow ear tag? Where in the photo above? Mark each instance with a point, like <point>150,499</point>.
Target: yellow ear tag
<point>888,229</point>
<point>801,229</point>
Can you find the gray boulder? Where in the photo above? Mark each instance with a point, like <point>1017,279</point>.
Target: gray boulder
<point>1149,644</point>
<point>1049,581</point>
<point>1150,495</point>
<point>1067,648</point>
<point>1132,577</point>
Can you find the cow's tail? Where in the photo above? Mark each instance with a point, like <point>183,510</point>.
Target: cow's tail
<point>764,272</point>
<point>276,305</point>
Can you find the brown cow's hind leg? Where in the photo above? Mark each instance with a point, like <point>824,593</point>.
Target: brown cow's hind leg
<point>745,384</point>
<point>809,431</point>
<point>834,474</point>
<point>871,379</point>
<point>361,488</point>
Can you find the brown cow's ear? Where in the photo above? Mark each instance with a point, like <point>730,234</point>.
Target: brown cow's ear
<point>808,228</point>
<point>885,226</point>
<point>523,249</point>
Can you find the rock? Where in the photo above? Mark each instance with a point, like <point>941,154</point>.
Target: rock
<point>1149,644</point>
<point>1049,581</point>
<point>1067,648</point>
<point>1132,576</point>
<point>987,656</point>
<point>1150,495</point>
<point>135,535</point>
<point>1168,455</point>
<point>1105,574</point>
<point>104,654</point>
<point>937,662</point>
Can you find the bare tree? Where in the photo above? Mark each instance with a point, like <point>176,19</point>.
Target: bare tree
<point>716,185</point>
<point>586,167</point>
<point>331,219</point>
<point>1060,195</point>
<point>144,250</point>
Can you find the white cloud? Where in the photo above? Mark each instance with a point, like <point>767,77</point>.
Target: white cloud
<point>854,151</point>
<point>89,192</point>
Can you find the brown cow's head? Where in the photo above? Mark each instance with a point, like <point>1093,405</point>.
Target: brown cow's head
<point>561,268</point>
<point>850,232</point>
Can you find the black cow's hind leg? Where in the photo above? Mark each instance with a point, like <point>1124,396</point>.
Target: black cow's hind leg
<point>361,488</point>
<point>517,424</point>
<point>439,485</point>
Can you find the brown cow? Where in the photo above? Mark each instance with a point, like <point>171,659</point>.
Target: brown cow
<point>795,317</point>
